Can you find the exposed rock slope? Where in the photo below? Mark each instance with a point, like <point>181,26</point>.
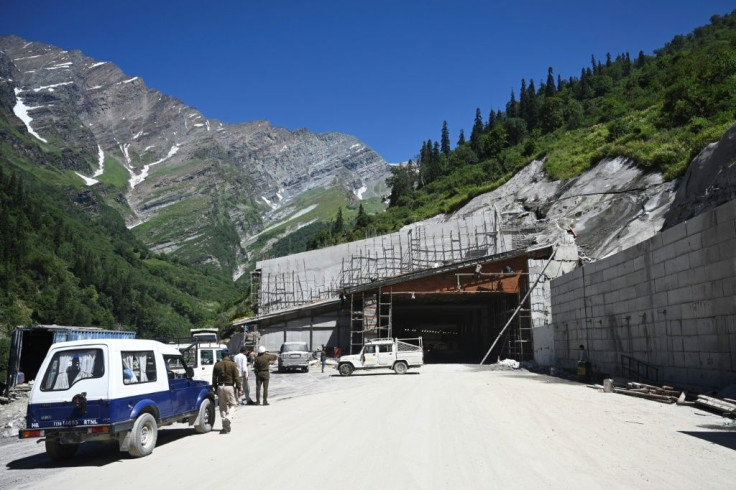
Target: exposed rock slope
<point>612,206</point>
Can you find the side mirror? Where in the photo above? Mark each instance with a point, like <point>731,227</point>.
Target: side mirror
<point>190,372</point>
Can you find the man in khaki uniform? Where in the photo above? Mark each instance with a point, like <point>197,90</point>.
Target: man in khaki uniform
<point>262,368</point>
<point>226,379</point>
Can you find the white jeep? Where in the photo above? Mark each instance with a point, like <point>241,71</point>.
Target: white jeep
<point>396,354</point>
<point>114,389</point>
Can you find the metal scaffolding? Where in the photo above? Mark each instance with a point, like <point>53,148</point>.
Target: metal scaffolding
<point>384,257</point>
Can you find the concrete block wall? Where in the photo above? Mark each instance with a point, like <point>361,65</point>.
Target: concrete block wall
<point>565,260</point>
<point>669,301</point>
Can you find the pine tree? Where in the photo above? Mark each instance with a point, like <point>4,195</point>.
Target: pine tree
<point>461,138</point>
<point>627,65</point>
<point>339,225</point>
<point>491,121</point>
<point>641,60</point>
<point>445,139</point>
<point>362,220</point>
<point>549,89</point>
<point>532,109</point>
<point>512,108</point>
<point>522,100</point>
<point>477,131</point>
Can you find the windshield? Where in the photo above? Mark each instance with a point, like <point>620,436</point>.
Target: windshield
<point>294,347</point>
<point>70,366</point>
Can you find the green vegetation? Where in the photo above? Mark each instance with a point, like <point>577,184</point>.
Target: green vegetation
<point>115,174</point>
<point>323,206</point>
<point>660,111</point>
<point>62,265</point>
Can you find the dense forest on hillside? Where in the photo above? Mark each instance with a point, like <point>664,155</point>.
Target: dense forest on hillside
<point>67,259</point>
<point>660,111</point>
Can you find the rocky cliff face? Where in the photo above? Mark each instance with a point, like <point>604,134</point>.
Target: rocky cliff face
<point>188,184</point>
<point>611,207</point>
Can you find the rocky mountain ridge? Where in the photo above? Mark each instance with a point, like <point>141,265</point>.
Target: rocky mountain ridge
<point>187,184</point>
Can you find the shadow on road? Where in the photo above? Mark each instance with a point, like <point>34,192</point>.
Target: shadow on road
<point>92,453</point>
<point>368,374</point>
<point>726,438</point>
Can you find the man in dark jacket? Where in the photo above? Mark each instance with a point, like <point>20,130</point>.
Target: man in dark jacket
<point>226,379</point>
<point>262,368</point>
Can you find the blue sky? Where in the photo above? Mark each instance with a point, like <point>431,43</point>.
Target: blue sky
<point>387,72</point>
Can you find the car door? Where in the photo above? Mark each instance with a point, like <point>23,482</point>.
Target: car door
<point>386,354</point>
<point>182,394</point>
<point>370,357</point>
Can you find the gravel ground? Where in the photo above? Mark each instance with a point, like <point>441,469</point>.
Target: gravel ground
<point>13,414</point>
<point>444,426</point>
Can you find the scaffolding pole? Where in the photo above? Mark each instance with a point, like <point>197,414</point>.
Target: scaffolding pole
<point>500,334</point>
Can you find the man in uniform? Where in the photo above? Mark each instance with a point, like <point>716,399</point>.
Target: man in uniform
<point>226,379</point>
<point>262,368</point>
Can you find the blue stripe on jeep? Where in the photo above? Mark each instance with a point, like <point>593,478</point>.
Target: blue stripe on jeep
<point>62,414</point>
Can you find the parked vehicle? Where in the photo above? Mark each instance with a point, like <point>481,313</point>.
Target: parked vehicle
<point>201,352</point>
<point>113,389</point>
<point>396,354</point>
<point>294,355</point>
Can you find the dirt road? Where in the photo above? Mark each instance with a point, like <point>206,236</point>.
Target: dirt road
<point>450,426</point>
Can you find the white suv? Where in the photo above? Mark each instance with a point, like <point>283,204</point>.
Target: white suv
<point>114,389</point>
<point>202,357</point>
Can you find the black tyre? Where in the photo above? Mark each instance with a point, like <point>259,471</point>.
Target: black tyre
<point>401,368</point>
<point>206,416</point>
<point>345,369</point>
<point>143,436</point>
<point>306,369</point>
<point>58,451</point>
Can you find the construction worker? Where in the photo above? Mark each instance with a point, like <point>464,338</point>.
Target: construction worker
<point>226,380</point>
<point>262,368</point>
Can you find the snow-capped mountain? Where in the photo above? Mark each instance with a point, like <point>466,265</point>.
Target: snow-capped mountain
<point>187,184</point>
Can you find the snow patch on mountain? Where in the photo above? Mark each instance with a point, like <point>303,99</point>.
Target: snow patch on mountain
<point>21,110</point>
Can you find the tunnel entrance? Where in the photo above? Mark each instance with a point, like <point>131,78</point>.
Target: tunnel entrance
<point>461,328</point>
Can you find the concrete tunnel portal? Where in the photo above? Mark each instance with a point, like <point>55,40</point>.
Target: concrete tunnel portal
<point>459,329</point>
<point>460,310</point>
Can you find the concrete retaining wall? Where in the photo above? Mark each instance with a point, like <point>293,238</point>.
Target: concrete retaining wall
<point>669,301</point>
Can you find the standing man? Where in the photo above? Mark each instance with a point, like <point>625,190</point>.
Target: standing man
<point>583,365</point>
<point>323,357</point>
<point>241,360</point>
<point>226,379</point>
<point>262,368</point>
